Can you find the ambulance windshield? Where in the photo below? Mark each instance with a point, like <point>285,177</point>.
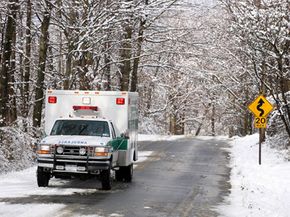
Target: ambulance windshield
<point>81,127</point>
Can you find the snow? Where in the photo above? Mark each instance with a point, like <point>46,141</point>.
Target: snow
<point>43,210</point>
<point>23,184</point>
<point>257,190</point>
<point>143,155</point>
<point>211,137</point>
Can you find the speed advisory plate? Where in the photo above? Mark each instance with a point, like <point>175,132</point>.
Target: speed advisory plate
<point>260,122</point>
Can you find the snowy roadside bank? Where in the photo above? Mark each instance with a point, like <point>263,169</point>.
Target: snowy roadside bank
<point>257,190</point>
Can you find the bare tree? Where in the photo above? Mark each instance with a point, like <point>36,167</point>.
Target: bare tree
<point>43,46</point>
<point>7,94</point>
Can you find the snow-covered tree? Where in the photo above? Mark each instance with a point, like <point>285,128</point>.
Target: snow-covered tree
<point>261,31</point>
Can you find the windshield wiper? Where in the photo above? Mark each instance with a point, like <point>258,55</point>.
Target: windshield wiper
<point>82,130</point>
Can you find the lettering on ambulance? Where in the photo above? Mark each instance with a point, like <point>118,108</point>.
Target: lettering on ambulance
<point>72,142</point>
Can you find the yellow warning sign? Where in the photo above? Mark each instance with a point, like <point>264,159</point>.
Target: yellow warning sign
<point>260,107</point>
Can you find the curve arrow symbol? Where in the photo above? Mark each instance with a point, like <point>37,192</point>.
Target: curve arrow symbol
<point>260,104</point>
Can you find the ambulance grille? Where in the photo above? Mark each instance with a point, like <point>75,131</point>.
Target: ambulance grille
<point>74,150</point>
<point>71,150</point>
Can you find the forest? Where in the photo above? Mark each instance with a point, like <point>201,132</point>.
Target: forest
<point>196,65</point>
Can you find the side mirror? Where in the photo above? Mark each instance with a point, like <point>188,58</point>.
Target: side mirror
<point>124,135</point>
<point>43,134</point>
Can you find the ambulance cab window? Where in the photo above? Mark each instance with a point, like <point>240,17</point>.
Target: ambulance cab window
<point>81,128</point>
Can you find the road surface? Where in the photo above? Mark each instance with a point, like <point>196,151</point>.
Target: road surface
<point>181,178</point>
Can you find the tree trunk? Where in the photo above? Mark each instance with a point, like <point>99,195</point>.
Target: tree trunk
<point>172,124</point>
<point>180,128</point>
<point>247,128</point>
<point>125,55</point>
<point>107,56</point>
<point>286,109</point>
<point>82,72</point>
<point>198,129</point>
<point>6,73</point>
<point>12,112</point>
<point>126,52</point>
<point>201,122</point>
<point>60,39</point>
<point>257,3</point>
<point>68,68</point>
<point>43,45</point>
<point>72,17</point>
<point>213,120</point>
<point>150,91</point>
<point>107,61</point>
<point>140,39</point>
<point>27,59</point>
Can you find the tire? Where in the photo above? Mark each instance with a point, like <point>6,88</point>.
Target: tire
<point>118,175</point>
<point>128,173</point>
<point>42,177</point>
<point>106,179</point>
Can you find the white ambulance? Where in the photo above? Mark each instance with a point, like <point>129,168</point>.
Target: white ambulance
<point>88,133</point>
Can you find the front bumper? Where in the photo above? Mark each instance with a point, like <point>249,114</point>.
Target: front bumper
<point>73,164</point>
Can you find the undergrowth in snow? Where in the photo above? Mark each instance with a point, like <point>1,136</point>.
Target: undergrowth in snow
<point>16,149</point>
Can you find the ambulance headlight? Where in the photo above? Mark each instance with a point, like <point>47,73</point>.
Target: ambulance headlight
<point>102,151</point>
<point>59,150</point>
<point>44,149</point>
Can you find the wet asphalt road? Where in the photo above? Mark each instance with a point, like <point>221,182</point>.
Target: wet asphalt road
<point>182,178</point>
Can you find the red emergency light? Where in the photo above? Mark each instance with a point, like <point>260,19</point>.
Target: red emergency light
<point>120,101</point>
<point>76,108</point>
<point>52,99</point>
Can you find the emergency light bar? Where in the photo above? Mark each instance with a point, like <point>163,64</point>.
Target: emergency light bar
<point>76,108</point>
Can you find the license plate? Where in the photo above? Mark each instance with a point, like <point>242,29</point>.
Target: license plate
<point>71,168</point>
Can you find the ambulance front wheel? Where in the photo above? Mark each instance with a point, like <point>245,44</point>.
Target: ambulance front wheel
<point>42,177</point>
<point>119,175</point>
<point>106,179</point>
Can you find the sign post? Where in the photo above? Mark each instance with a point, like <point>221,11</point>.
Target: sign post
<point>260,107</point>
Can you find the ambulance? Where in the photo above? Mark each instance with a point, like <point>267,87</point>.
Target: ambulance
<point>88,134</point>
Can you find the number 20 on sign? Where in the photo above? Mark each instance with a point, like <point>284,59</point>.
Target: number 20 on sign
<point>260,122</point>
